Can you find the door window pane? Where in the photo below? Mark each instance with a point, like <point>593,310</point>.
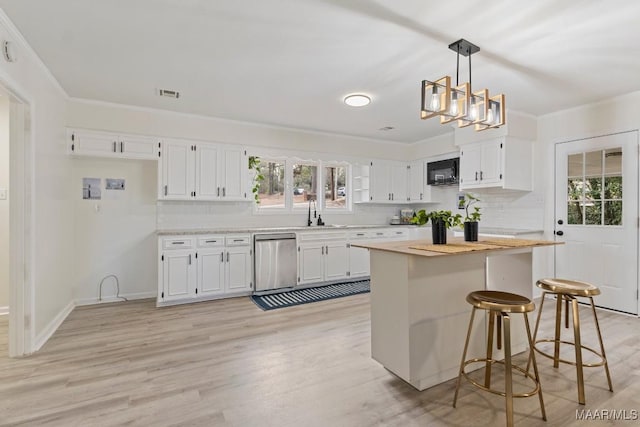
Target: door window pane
<point>335,187</point>
<point>305,184</point>
<point>594,187</point>
<point>613,212</point>
<point>593,213</point>
<point>271,191</point>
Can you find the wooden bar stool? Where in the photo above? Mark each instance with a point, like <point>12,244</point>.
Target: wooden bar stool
<point>569,291</point>
<point>500,305</point>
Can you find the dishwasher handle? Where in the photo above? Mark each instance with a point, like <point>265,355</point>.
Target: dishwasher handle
<point>275,236</point>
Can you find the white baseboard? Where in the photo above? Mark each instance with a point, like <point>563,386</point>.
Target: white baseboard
<point>53,326</point>
<point>4,310</point>
<point>110,299</point>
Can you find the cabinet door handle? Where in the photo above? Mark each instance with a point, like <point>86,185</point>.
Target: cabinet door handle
<point>114,147</point>
<point>227,256</point>
<point>221,256</point>
<point>392,196</point>
<point>177,243</point>
<point>210,241</point>
<point>166,190</point>
<point>327,251</point>
<point>218,191</point>
<point>122,146</point>
<point>480,175</point>
<point>224,191</point>
<point>359,234</point>
<point>189,259</point>
<point>323,250</point>
<point>420,196</point>
<point>238,240</point>
<point>476,176</point>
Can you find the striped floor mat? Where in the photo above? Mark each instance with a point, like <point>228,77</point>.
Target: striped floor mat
<point>304,296</point>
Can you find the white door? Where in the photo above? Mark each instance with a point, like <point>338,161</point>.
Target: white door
<point>311,263</point>
<point>416,181</point>
<point>358,262</point>
<point>399,182</point>
<point>178,275</point>
<point>491,164</point>
<point>380,181</point>
<point>238,269</point>
<point>139,147</point>
<point>336,260</point>
<point>597,216</point>
<point>207,185</point>
<point>177,171</point>
<point>233,173</point>
<point>211,271</point>
<point>95,144</point>
<point>470,165</point>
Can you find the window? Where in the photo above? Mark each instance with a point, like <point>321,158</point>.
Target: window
<point>335,187</point>
<point>305,184</point>
<point>594,188</point>
<point>271,192</point>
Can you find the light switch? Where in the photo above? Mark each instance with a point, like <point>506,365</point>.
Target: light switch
<point>3,194</point>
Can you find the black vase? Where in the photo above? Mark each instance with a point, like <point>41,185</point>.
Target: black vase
<point>438,232</point>
<point>471,231</point>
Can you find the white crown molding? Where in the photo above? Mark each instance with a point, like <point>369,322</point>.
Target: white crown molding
<point>19,39</point>
<point>233,121</point>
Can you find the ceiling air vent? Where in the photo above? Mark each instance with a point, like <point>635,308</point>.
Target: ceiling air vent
<point>169,93</point>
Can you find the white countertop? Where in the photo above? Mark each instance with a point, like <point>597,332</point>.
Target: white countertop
<point>227,230</point>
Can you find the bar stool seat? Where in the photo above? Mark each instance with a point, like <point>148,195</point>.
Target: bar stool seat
<point>569,291</point>
<point>501,305</point>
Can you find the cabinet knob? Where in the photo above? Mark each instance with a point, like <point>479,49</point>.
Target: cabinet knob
<point>560,233</point>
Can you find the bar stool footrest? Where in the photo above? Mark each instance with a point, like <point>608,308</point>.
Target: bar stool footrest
<point>530,393</point>
<point>570,362</point>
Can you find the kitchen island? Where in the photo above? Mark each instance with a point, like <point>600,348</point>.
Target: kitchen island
<point>419,315</point>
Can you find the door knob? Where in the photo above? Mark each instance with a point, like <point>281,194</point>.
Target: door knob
<point>559,233</point>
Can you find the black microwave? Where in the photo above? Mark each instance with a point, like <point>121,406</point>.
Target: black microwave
<point>443,172</point>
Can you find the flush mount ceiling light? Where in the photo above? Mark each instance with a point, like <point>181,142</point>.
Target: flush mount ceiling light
<point>357,100</point>
<point>460,102</point>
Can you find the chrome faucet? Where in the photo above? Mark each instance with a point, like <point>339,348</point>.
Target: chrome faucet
<point>309,222</point>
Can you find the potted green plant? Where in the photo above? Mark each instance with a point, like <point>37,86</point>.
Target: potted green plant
<point>471,218</point>
<point>440,222</point>
<point>254,165</point>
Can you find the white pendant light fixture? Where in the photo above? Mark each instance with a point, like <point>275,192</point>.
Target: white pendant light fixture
<point>357,100</point>
<point>459,103</point>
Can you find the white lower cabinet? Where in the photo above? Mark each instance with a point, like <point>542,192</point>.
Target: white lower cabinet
<point>203,267</point>
<point>178,275</point>
<point>322,257</point>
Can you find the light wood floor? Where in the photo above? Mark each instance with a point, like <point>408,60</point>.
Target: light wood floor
<point>227,363</point>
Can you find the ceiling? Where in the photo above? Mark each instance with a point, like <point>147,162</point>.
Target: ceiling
<point>291,62</point>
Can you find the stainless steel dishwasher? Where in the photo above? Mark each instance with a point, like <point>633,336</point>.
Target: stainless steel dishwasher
<point>275,261</point>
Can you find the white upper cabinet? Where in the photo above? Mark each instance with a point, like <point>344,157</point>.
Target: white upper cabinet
<point>203,171</point>
<point>177,175</point>
<point>105,144</point>
<point>503,162</point>
<point>417,185</point>
<point>388,182</point>
<point>392,182</point>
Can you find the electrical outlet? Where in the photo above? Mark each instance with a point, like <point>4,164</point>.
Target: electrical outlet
<point>3,194</point>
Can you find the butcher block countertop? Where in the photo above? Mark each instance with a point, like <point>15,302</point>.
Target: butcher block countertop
<point>455,246</point>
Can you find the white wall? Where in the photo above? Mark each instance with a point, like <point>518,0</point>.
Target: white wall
<point>4,204</point>
<point>52,211</point>
<point>115,235</point>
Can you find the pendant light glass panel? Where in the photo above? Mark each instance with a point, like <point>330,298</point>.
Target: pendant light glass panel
<point>436,97</point>
<point>495,113</point>
<point>458,104</point>
<point>477,109</point>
